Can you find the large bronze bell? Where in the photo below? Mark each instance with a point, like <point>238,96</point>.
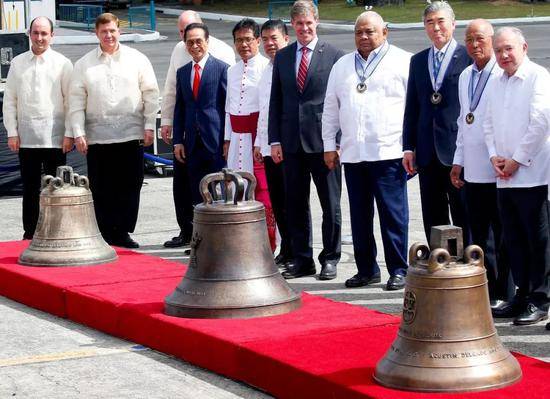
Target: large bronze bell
<point>231,271</point>
<point>66,233</point>
<point>447,341</point>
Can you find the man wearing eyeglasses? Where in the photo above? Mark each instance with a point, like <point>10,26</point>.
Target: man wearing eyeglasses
<point>199,111</point>
<point>242,111</point>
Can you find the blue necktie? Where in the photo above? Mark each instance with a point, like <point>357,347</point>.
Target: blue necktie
<point>437,62</point>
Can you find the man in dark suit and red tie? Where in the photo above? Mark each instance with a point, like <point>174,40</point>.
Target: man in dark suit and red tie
<point>429,126</point>
<point>300,76</point>
<point>199,113</point>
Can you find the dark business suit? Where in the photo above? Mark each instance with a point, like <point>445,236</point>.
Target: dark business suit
<point>430,130</point>
<point>295,123</point>
<point>199,124</point>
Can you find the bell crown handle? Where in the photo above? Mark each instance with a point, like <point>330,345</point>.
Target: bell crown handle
<point>233,177</point>
<point>438,259</point>
<point>473,255</point>
<point>251,186</point>
<point>230,181</point>
<point>210,181</point>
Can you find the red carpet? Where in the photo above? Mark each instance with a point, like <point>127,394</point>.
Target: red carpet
<point>325,349</point>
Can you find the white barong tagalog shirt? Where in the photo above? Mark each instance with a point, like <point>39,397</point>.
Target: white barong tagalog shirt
<point>242,99</point>
<point>264,90</point>
<point>371,122</point>
<point>36,99</point>
<point>515,125</point>
<point>113,98</point>
<point>179,58</point>
<point>471,150</point>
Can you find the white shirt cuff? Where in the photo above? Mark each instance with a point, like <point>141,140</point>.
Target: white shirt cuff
<point>329,145</point>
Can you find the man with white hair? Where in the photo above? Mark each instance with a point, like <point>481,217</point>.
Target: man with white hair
<point>472,159</point>
<point>365,100</point>
<point>516,134</point>
<point>430,129</point>
<point>181,188</point>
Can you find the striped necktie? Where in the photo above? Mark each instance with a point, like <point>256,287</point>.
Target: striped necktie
<point>302,70</point>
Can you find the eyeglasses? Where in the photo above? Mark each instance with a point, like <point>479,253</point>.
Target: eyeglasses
<point>247,40</point>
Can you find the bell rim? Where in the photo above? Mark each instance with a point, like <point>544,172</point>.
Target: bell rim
<point>515,375</point>
<point>293,298</point>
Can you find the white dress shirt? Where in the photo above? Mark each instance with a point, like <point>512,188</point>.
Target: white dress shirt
<point>201,63</point>
<point>113,98</point>
<point>179,58</point>
<point>36,99</point>
<point>515,125</point>
<point>264,90</point>
<point>242,99</point>
<point>471,150</point>
<point>371,122</point>
<point>311,46</point>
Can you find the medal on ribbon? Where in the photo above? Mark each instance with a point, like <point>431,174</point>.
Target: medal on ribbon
<point>437,76</point>
<point>364,73</point>
<point>475,94</point>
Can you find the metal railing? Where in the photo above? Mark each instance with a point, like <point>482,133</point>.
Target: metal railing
<point>142,17</point>
<point>80,13</point>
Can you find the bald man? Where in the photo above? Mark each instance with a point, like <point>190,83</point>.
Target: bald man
<point>471,158</point>
<point>516,134</point>
<point>35,114</point>
<point>180,57</point>
<point>365,100</point>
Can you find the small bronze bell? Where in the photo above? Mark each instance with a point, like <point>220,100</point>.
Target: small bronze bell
<point>231,272</point>
<point>66,233</point>
<point>447,341</point>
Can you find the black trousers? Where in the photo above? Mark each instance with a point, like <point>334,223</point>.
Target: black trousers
<point>524,216</point>
<point>386,183</point>
<point>299,168</point>
<point>485,225</point>
<point>200,162</point>
<point>33,162</point>
<point>438,196</point>
<point>276,185</point>
<point>183,202</point>
<point>115,172</point>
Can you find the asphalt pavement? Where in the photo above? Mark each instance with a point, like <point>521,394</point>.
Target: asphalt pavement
<point>42,356</point>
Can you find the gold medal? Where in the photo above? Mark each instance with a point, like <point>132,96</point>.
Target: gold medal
<point>470,118</point>
<point>436,98</point>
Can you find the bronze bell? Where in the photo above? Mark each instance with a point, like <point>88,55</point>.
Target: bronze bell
<point>66,233</point>
<point>447,341</point>
<point>231,271</point>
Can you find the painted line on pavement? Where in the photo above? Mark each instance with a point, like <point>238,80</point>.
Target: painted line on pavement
<point>76,354</point>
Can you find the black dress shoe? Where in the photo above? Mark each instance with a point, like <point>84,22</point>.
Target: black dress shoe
<point>507,309</point>
<point>497,303</point>
<point>395,283</point>
<point>328,270</point>
<point>124,241</point>
<point>281,260</point>
<point>299,269</point>
<point>531,315</point>
<point>361,281</point>
<point>178,241</point>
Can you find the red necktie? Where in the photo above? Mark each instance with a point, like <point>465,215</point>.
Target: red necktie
<point>302,69</point>
<point>196,81</point>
